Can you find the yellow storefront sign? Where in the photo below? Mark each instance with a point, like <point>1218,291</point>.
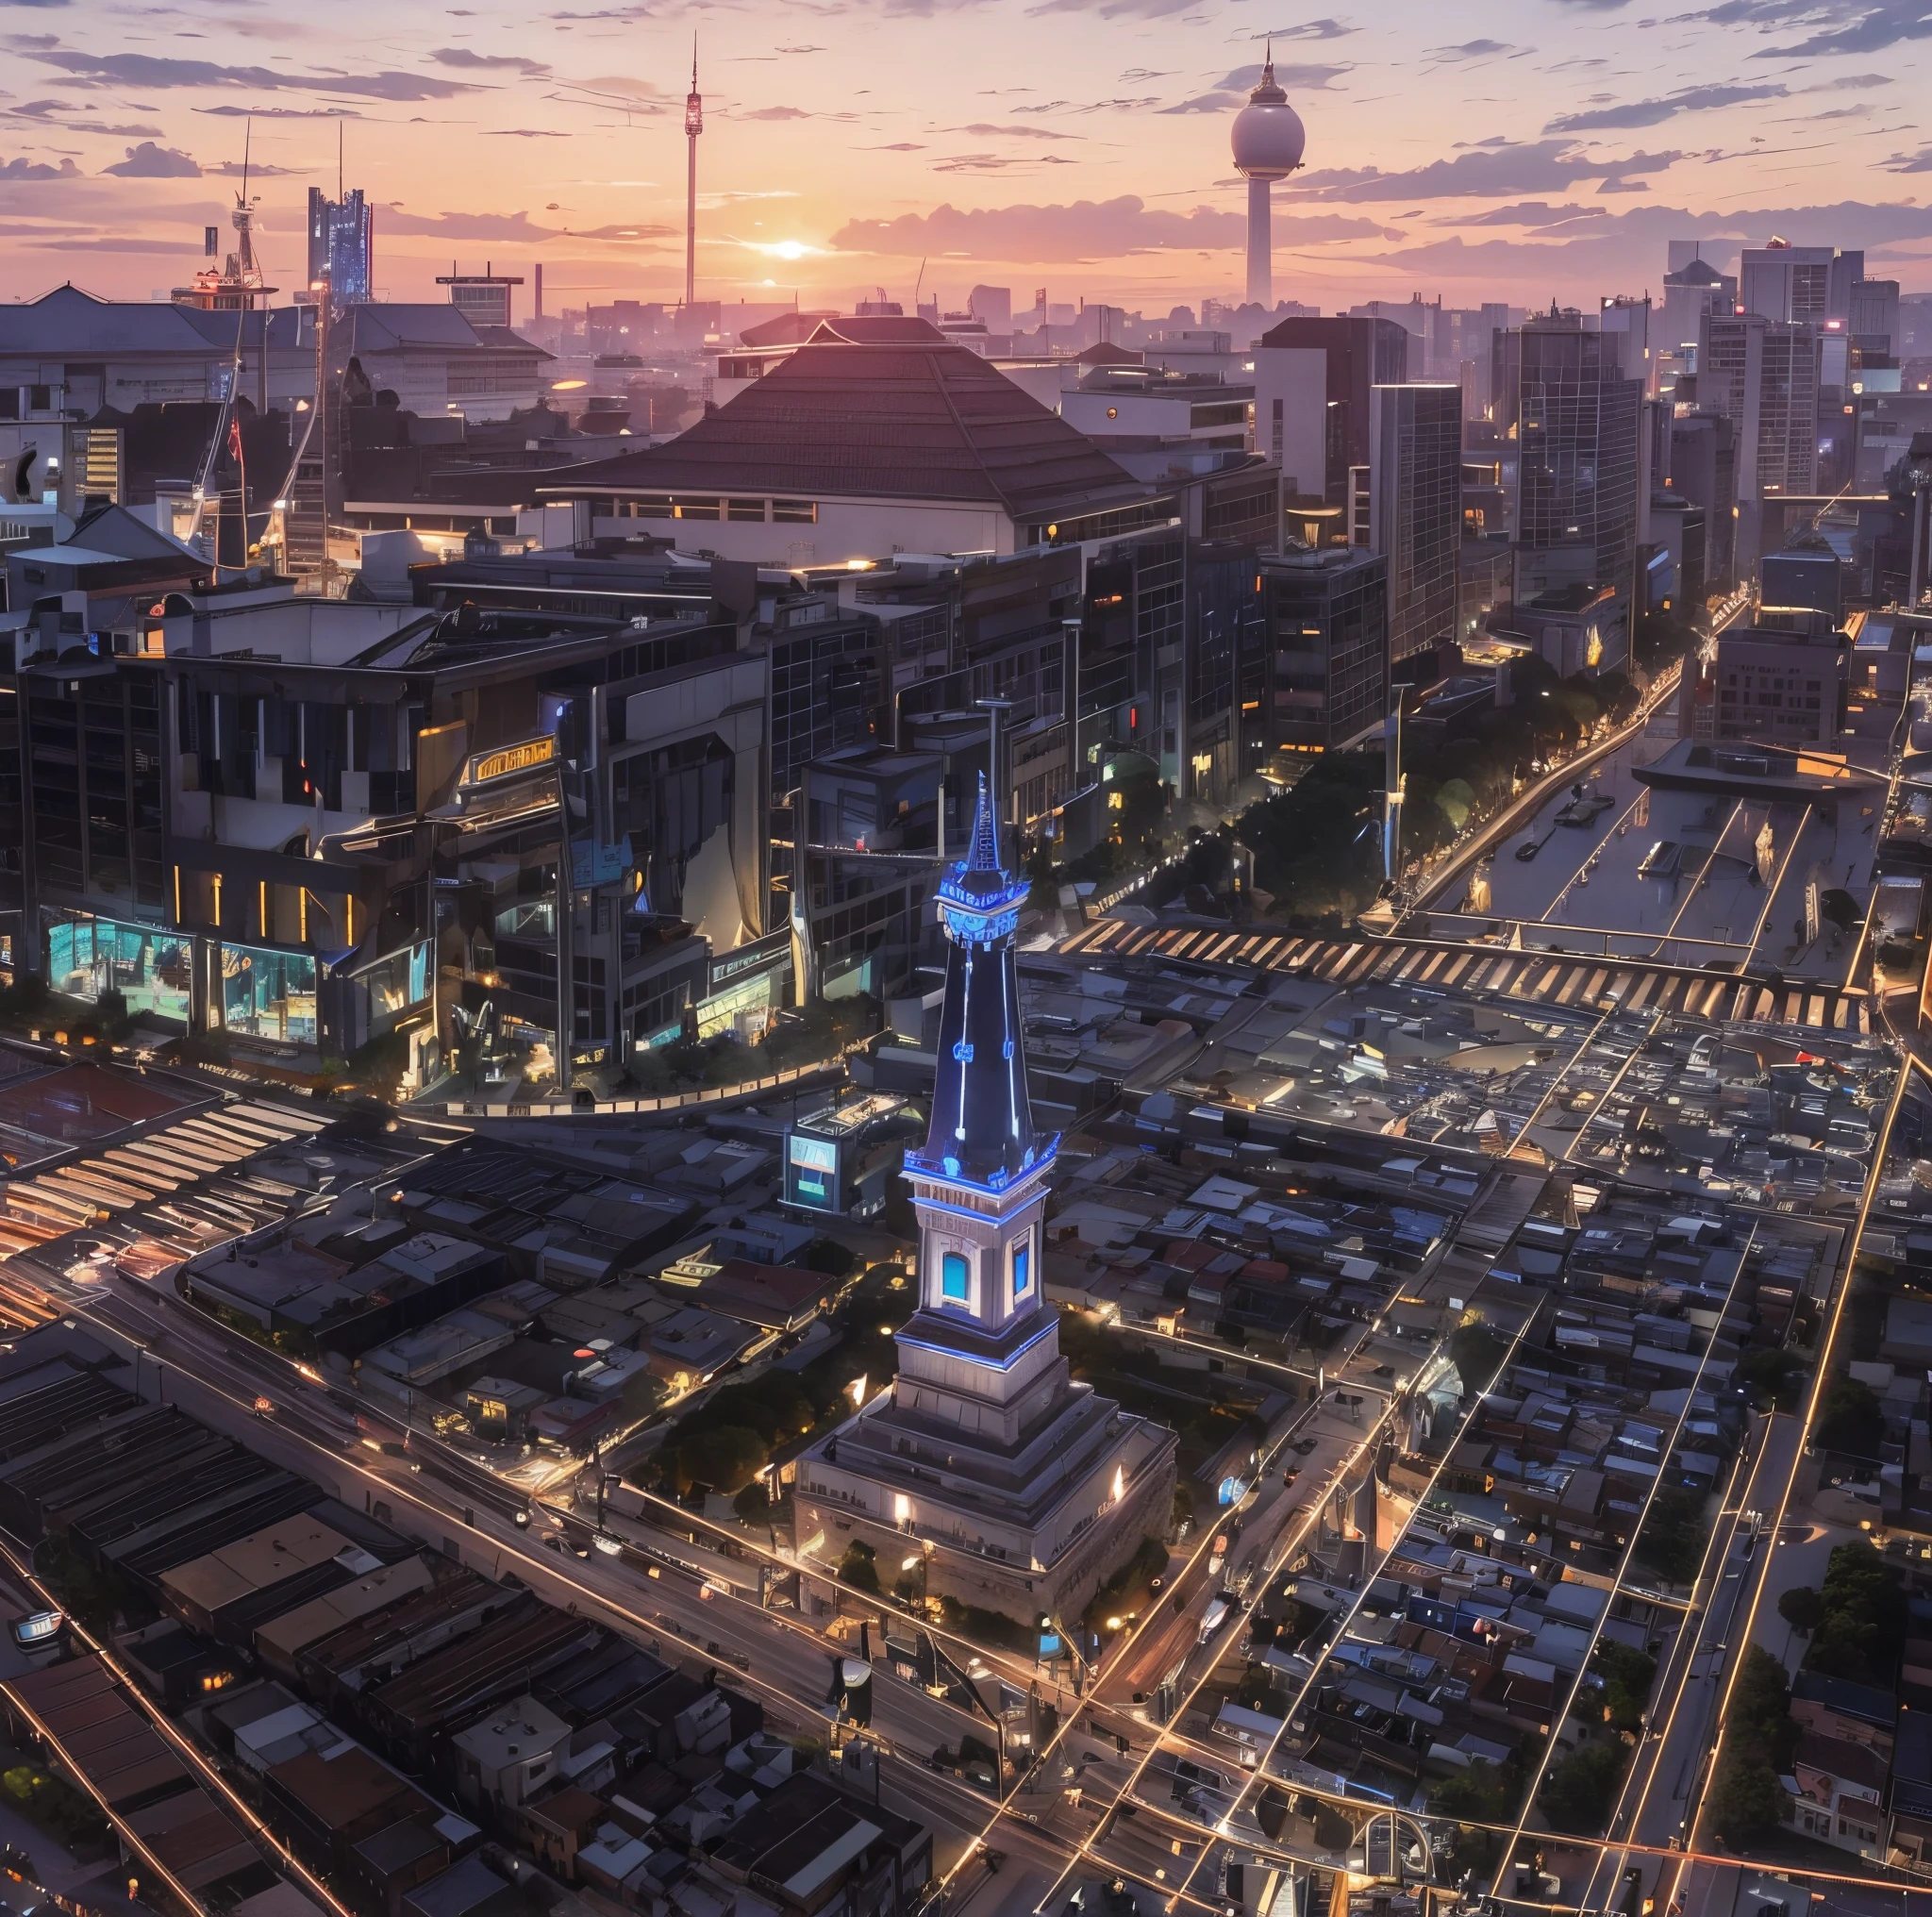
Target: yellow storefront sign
<point>485,766</point>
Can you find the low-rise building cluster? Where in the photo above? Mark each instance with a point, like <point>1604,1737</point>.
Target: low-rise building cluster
<point>536,1296</point>
<point>428,1740</point>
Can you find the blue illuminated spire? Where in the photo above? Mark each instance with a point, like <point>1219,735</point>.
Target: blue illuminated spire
<point>982,1120</point>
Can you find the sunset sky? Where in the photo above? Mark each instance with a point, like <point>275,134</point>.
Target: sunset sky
<point>1513,149</point>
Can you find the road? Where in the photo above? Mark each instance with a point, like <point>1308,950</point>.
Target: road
<point>454,1505</point>
<point>1548,791</point>
<point>457,1505</point>
<point>1085,1808</point>
<point>1667,1775</point>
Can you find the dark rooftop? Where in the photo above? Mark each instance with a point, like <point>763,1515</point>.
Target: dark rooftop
<point>919,420</point>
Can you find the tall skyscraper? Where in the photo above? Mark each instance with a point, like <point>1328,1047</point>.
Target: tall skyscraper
<point>1415,511</point>
<point>1780,281</point>
<point>1630,321</point>
<point>1763,375</point>
<point>342,246</point>
<point>1576,416</point>
<point>1268,140</point>
<point>1873,321</point>
<point>1019,1488</point>
<point>994,305</point>
<point>1461,347</point>
<point>1311,397</point>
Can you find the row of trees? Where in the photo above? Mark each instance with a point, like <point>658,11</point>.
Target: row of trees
<point>1747,1802</point>
<point>1318,846</point>
<point>1856,1621</point>
<point>727,1440</point>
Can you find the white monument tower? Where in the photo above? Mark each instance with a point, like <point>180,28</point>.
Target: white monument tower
<point>1268,142</point>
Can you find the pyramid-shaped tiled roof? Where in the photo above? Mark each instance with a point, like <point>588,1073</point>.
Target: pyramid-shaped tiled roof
<point>916,418</point>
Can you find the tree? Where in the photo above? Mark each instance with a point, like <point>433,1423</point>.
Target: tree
<point>1476,1352</point>
<point>378,1066</point>
<point>1671,1542</point>
<point>1747,1802</point>
<point>1144,801</point>
<point>1852,1419</point>
<point>1481,1794</point>
<point>641,1395</point>
<point>828,1256</point>
<point>1773,1376</point>
<point>1801,1609</point>
<point>1760,1709</point>
<point>1856,1578</point>
<point>724,1457</point>
<point>754,1503</point>
<point>1838,908</point>
<point>1861,1617</point>
<point>1628,1674</point>
<point>1577,1794</point>
<point>859,1567</point>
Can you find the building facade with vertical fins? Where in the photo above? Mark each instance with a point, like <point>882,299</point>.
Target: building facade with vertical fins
<point>1022,1490</point>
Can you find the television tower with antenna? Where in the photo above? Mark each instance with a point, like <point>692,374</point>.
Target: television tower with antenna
<point>693,125</point>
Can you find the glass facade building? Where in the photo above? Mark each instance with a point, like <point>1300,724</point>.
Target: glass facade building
<point>151,967</point>
<point>267,994</point>
<point>1562,395</point>
<point>1329,624</point>
<point>1415,512</point>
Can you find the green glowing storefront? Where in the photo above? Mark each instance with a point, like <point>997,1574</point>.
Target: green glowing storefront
<point>271,993</point>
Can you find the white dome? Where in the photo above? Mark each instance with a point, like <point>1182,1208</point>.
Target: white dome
<point>1269,138</point>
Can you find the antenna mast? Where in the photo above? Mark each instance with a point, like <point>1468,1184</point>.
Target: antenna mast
<point>693,125</point>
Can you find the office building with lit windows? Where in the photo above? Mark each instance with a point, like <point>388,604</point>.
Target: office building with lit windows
<point>342,246</point>
<point>1564,398</point>
<point>1326,677</point>
<point>1763,376</point>
<point>1415,515</point>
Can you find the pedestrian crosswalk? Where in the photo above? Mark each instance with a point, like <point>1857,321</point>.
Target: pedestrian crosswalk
<point>1562,979</point>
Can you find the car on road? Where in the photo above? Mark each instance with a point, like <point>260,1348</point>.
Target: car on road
<point>1528,849</point>
<point>1304,1445</point>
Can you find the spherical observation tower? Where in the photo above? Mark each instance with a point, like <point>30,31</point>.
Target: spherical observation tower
<point>1268,141</point>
